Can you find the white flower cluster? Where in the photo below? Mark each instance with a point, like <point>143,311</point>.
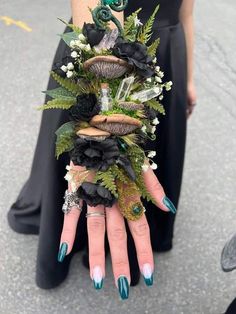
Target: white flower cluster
<point>68,69</point>
<point>80,43</point>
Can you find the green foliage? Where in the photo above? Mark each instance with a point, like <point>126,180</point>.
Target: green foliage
<point>60,93</point>
<point>107,179</point>
<point>142,189</point>
<point>154,104</point>
<point>146,31</point>
<point>119,174</point>
<point>137,114</point>
<point>72,26</point>
<point>66,83</point>
<point>130,30</point>
<point>130,139</point>
<point>137,157</point>
<point>64,142</point>
<point>152,49</point>
<point>57,104</point>
<point>68,37</point>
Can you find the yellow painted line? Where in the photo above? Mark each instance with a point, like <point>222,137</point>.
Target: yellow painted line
<point>9,21</point>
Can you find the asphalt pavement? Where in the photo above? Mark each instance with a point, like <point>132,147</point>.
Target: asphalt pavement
<point>188,279</point>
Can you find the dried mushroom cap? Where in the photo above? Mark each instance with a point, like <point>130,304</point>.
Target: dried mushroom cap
<point>108,59</point>
<point>92,132</point>
<point>115,118</point>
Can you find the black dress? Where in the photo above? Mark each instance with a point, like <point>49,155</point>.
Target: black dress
<point>37,209</point>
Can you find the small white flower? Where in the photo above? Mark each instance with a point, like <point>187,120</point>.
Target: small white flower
<point>64,68</point>
<point>137,21</point>
<point>87,47</point>
<point>72,44</point>
<point>153,129</point>
<point>157,69</point>
<point>151,154</point>
<point>145,167</point>
<point>160,97</point>
<point>153,166</point>
<point>158,79</point>
<point>70,66</point>
<point>144,128</point>
<point>149,80</point>
<point>81,37</point>
<point>74,54</point>
<point>168,85</point>
<point>154,60</point>
<point>81,46</point>
<point>155,121</point>
<point>69,74</point>
<point>161,74</point>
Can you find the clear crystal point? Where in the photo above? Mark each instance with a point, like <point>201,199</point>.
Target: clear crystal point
<point>147,94</point>
<point>124,88</point>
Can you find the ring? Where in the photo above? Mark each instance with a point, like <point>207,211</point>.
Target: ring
<point>71,200</point>
<point>95,214</point>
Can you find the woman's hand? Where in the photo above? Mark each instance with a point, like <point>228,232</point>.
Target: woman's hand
<point>99,219</point>
<point>191,98</point>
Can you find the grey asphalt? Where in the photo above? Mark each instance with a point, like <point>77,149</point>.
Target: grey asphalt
<point>189,278</point>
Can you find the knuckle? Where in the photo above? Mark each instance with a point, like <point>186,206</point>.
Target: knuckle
<point>120,264</point>
<point>117,233</point>
<point>141,229</point>
<point>144,254</point>
<point>96,225</point>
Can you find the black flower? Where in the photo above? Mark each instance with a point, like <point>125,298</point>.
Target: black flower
<point>93,34</point>
<point>95,194</point>
<point>95,155</point>
<point>86,107</point>
<point>135,53</point>
<point>65,61</point>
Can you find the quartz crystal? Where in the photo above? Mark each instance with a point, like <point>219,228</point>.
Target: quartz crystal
<point>124,88</point>
<point>108,40</point>
<point>147,94</point>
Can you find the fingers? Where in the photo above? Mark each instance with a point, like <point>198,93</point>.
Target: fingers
<point>141,235</point>
<point>117,238</point>
<point>68,233</point>
<point>156,190</point>
<point>96,234</point>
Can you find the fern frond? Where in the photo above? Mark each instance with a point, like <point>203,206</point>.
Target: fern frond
<point>66,83</point>
<point>130,31</point>
<point>64,142</point>
<point>154,104</point>
<point>130,139</point>
<point>119,174</point>
<point>152,49</point>
<point>57,104</point>
<point>107,179</point>
<point>146,31</point>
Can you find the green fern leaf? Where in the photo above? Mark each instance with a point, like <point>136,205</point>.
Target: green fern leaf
<point>146,31</point>
<point>60,92</point>
<point>66,83</point>
<point>130,31</point>
<point>152,49</point>
<point>107,179</point>
<point>64,142</point>
<point>119,174</point>
<point>57,104</point>
<point>154,104</point>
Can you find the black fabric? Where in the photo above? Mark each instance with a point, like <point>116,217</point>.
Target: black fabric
<point>37,209</point>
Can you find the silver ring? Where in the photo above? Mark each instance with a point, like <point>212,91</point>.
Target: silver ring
<point>95,214</point>
<point>71,200</point>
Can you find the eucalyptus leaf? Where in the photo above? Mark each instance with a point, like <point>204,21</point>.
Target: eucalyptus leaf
<point>61,93</point>
<point>68,37</point>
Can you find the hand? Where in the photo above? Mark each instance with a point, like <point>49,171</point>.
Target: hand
<point>99,219</point>
<point>191,98</point>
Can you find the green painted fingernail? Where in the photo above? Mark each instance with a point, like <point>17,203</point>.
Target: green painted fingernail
<point>167,202</point>
<point>123,286</point>
<point>62,252</point>
<point>97,278</point>
<point>147,274</point>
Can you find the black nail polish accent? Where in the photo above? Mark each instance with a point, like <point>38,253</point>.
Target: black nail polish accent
<point>123,286</point>
<point>167,202</point>
<point>62,252</point>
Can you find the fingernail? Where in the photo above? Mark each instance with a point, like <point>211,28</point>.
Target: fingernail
<point>123,286</point>
<point>97,278</point>
<point>167,202</point>
<point>147,274</point>
<point>62,252</point>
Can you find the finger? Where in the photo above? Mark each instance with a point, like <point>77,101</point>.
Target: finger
<point>96,235</point>
<point>141,235</point>
<point>117,238</point>
<point>68,233</point>
<point>156,191</point>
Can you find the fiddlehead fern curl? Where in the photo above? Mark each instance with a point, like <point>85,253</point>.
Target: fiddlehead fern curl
<point>102,13</point>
